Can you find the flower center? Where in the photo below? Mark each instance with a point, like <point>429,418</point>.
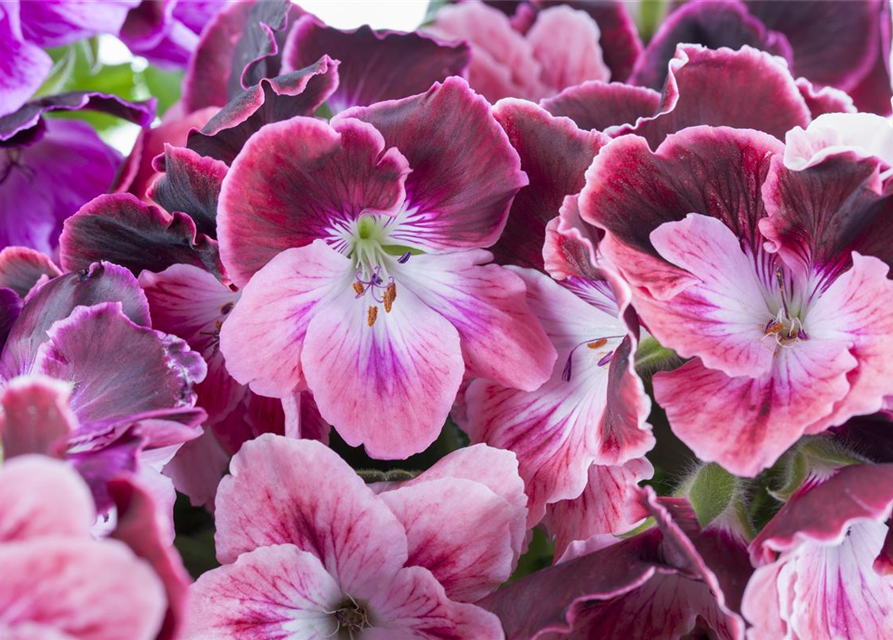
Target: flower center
<point>350,619</point>
<point>784,329</point>
<point>374,258</point>
<point>595,346</point>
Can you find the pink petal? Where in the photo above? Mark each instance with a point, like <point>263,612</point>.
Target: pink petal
<point>569,249</point>
<point>389,386</point>
<point>263,337</point>
<point>600,105</point>
<point>496,469</point>
<point>500,337</point>
<point>87,589</point>
<point>726,299</point>
<point>197,469</point>
<point>609,504</point>
<point>375,66</point>
<point>455,200</point>
<point>271,593</point>
<point>760,417</point>
<point>459,530</point>
<point>36,417</point>
<point>555,156</point>
<point>41,497</point>
<point>575,57</point>
<point>416,607</point>
<point>284,491</point>
<point>280,194</point>
<point>824,99</point>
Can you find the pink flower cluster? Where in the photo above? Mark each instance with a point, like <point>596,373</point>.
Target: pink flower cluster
<point>616,317</point>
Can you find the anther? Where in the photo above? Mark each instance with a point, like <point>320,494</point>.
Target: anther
<point>390,294</point>
<point>597,344</point>
<point>404,258</point>
<point>371,316</point>
<point>358,288</point>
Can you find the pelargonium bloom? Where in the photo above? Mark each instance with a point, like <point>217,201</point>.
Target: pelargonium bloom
<point>841,44</point>
<point>532,65</point>
<point>824,561</point>
<point>310,551</point>
<point>91,330</point>
<point>167,32</point>
<point>359,253</point>
<point>675,580</point>
<point>50,168</point>
<point>26,28</point>
<point>786,338</point>
<point>60,582</point>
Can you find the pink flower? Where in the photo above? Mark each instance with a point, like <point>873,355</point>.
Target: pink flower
<point>824,561</point>
<point>60,582</point>
<point>310,551</point>
<point>364,281</point>
<point>533,64</point>
<point>786,337</point>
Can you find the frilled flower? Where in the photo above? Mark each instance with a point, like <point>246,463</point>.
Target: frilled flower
<point>50,168</point>
<point>308,550</point>
<point>26,28</point>
<point>674,580</point>
<point>60,582</point>
<point>840,44</point>
<point>591,411</point>
<point>508,63</point>
<point>786,338</point>
<point>127,391</point>
<point>166,32</point>
<point>824,561</point>
<point>363,279</point>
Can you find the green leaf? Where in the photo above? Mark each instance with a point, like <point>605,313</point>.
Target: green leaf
<point>710,492</point>
<point>652,357</point>
<point>166,86</point>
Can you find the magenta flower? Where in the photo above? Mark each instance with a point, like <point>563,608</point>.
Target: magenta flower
<point>310,551</point>
<point>90,330</point>
<point>840,44</point>
<point>363,278</point>
<point>675,580</point>
<point>824,561</point>
<point>786,338</point>
<point>26,28</point>
<point>60,582</point>
<point>50,168</point>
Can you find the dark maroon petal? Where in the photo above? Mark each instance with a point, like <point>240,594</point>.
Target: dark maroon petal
<point>653,585</point>
<point>460,199</point>
<point>825,99</point>
<point>824,512</point>
<point>711,23</point>
<point>98,467</point>
<point>599,105</point>
<point>100,282</point>
<point>619,39</point>
<point>119,368</point>
<point>715,171</point>
<point>706,87</point>
<point>834,41</point>
<point>22,267</point>
<point>23,127</point>
<point>253,416</point>
<point>871,435</point>
<point>238,47</point>
<point>138,527</point>
<point>122,229</point>
<point>375,66</point>
<point>298,93</point>
<point>821,214</point>
<point>10,308</point>
<point>873,93</point>
<point>191,185</point>
<point>300,180</point>
<point>555,155</point>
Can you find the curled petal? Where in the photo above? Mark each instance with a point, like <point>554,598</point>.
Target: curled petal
<point>36,417</point>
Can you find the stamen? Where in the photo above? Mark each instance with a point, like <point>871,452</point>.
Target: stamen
<point>597,344</point>
<point>360,289</point>
<point>371,316</point>
<point>390,294</point>
<point>606,359</point>
<point>404,258</point>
